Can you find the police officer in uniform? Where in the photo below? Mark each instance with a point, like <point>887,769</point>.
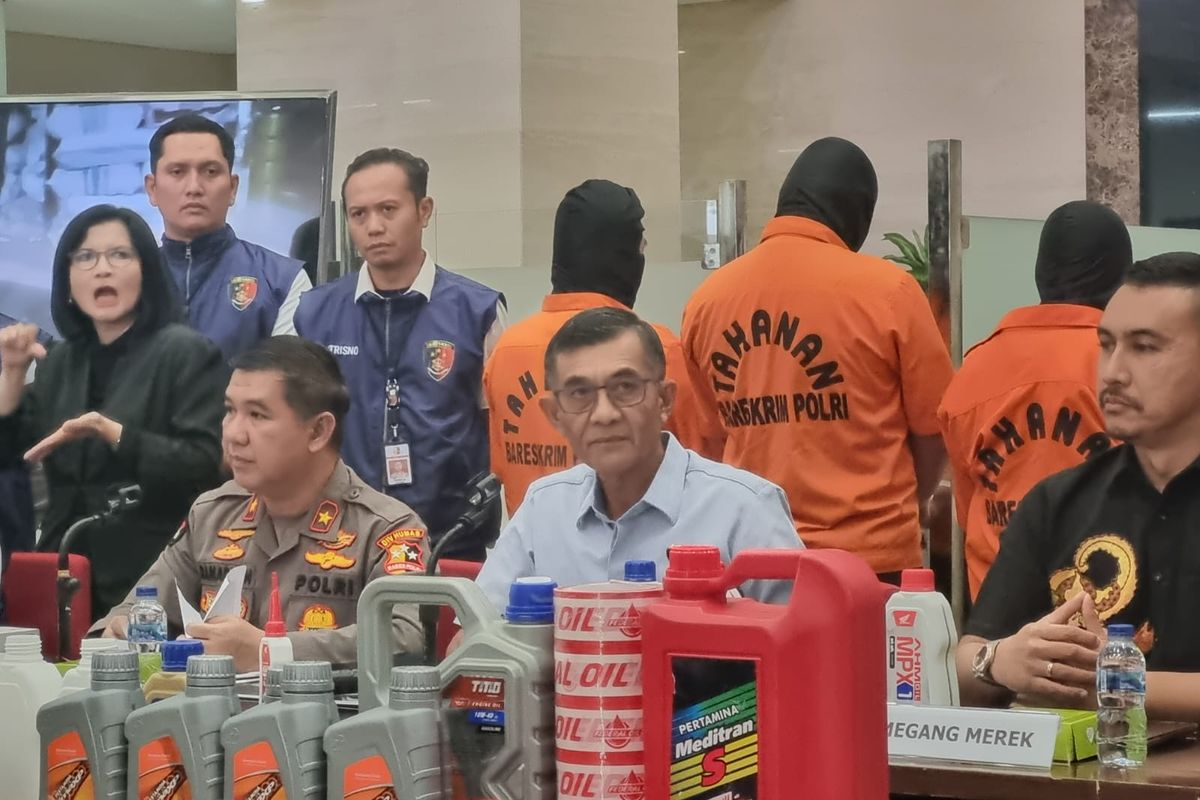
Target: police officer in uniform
<point>235,292</point>
<point>411,339</point>
<point>293,509</point>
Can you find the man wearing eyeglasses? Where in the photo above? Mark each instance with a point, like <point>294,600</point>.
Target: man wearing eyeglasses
<point>598,262</point>
<point>637,490</point>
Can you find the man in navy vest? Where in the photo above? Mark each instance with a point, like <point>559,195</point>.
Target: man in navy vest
<point>236,293</point>
<point>411,339</point>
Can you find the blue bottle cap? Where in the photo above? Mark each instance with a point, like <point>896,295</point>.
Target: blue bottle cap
<point>531,601</point>
<point>641,571</point>
<point>147,591</point>
<point>175,653</point>
<point>1121,629</point>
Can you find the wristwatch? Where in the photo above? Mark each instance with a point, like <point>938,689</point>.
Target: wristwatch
<point>981,664</point>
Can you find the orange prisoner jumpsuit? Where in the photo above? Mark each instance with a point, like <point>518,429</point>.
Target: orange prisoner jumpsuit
<point>1022,407</point>
<point>524,445</point>
<point>821,362</point>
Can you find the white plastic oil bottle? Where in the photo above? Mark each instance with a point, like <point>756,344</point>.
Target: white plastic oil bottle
<point>921,639</point>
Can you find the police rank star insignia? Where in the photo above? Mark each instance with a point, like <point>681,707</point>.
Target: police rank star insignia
<point>242,291</point>
<point>251,509</point>
<point>439,358</point>
<point>326,513</point>
<point>402,547</point>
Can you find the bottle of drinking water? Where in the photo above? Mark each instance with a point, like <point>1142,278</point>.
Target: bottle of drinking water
<point>147,621</point>
<point>1121,692</point>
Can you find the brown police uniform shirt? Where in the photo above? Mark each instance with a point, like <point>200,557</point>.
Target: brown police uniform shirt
<point>821,362</point>
<point>524,445</point>
<point>1022,407</point>
<point>324,558</point>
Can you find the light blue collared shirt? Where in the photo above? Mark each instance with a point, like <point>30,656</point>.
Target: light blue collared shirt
<point>561,530</point>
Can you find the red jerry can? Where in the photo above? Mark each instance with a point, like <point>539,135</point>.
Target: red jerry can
<point>751,701</point>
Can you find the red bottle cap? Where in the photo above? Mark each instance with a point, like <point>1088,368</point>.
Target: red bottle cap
<point>275,626</point>
<point>690,568</point>
<point>916,580</point>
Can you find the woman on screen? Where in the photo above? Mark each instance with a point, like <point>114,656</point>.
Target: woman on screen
<point>128,397</point>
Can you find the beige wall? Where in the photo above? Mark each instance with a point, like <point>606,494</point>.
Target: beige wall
<point>511,104</point>
<point>760,79</point>
<point>56,65</point>
<point>423,76</point>
<point>600,99</point>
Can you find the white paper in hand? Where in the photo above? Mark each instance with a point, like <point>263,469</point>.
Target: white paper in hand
<point>228,601</point>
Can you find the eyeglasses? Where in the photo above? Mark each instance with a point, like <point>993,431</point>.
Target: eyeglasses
<point>118,257</point>
<point>622,392</point>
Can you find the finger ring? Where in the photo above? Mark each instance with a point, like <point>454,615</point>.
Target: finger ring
<point>1049,669</point>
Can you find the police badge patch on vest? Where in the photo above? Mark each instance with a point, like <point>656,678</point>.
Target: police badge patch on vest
<point>242,291</point>
<point>439,358</point>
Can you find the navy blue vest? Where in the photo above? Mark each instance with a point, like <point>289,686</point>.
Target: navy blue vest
<point>233,289</point>
<point>435,354</point>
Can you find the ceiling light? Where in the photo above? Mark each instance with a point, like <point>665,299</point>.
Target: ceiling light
<point>1177,113</point>
<point>418,101</point>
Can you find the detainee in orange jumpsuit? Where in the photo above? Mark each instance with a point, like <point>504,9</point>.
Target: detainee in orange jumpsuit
<point>598,262</point>
<point>1023,406</point>
<point>825,365</point>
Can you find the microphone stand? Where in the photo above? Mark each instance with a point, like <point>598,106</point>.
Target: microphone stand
<point>482,493</point>
<point>66,584</point>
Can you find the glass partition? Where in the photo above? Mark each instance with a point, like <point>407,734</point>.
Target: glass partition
<point>997,273</point>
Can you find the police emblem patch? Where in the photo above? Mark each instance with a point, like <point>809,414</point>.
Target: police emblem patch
<point>439,358</point>
<point>402,551</point>
<point>318,618</point>
<point>242,291</point>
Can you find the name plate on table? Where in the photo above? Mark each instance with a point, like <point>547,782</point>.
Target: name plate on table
<point>975,735</point>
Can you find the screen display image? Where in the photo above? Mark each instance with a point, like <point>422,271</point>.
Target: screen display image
<point>62,155</point>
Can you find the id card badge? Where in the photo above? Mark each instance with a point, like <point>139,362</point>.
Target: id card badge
<point>397,459</point>
<point>398,462</point>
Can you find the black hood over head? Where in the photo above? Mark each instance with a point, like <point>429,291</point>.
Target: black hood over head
<point>1083,255</point>
<point>598,242</point>
<point>834,183</point>
<point>159,303</point>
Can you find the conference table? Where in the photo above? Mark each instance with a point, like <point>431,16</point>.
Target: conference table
<point>1172,772</point>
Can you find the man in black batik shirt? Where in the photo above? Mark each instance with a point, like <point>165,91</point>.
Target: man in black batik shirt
<point>1116,539</point>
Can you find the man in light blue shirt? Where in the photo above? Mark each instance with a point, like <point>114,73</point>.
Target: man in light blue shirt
<point>637,490</point>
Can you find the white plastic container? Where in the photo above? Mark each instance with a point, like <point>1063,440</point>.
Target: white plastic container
<point>80,677</point>
<point>26,683</point>
<point>921,639</point>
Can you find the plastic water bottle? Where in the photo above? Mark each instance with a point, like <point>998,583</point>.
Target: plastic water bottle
<point>1121,692</point>
<point>147,621</point>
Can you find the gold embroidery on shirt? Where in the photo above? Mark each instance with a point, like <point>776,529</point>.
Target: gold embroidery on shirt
<point>1105,566</point>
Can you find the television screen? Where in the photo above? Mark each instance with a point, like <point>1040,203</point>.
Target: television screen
<point>61,155</point>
